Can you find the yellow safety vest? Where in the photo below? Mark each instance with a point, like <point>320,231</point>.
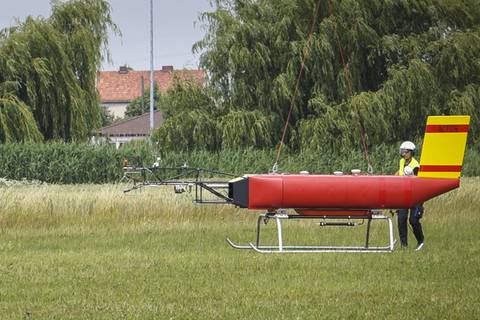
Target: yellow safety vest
<point>413,164</point>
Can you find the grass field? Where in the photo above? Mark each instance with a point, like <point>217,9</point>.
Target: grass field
<point>91,252</point>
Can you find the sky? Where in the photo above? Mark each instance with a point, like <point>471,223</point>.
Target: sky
<point>176,29</point>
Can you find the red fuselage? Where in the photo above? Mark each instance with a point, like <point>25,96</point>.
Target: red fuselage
<point>336,192</point>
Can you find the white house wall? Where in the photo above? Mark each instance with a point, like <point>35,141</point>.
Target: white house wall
<point>116,109</point>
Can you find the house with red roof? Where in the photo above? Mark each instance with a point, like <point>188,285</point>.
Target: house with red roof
<point>118,88</point>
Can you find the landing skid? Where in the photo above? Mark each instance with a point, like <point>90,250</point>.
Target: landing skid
<point>281,248</point>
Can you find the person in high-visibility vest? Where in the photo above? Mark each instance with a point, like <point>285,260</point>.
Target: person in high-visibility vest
<point>409,166</point>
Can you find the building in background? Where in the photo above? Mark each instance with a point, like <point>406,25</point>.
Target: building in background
<point>118,88</point>
<point>134,128</point>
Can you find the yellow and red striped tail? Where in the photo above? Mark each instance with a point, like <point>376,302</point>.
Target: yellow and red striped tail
<point>444,146</point>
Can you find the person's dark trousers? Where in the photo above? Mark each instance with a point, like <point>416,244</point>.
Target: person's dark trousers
<point>415,216</point>
<point>402,217</point>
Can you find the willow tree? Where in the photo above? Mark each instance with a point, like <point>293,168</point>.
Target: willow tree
<point>195,122</point>
<point>374,68</point>
<point>188,131</point>
<point>16,119</point>
<point>186,94</point>
<point>54,62</point>
<point>247,129</point>
<point>190,117</point>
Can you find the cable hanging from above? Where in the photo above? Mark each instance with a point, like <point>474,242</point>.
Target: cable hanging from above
<point>306,53</point>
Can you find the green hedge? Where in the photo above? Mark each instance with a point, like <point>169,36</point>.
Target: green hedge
<point>82,163</point>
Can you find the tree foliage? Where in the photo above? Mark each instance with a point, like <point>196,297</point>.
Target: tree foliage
<point>194,122</point>
<point>245,129</point>
<point>16,120</point>
<point>134,108</point>
<point>188,130</point>
<point>53,63</point>
<point>404,60</point>
<point>186,94</point>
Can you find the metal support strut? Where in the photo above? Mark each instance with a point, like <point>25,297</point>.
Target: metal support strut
<point>281,248</point>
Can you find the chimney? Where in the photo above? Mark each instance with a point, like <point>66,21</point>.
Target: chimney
<point>123,69</point>
<point>167,68</point>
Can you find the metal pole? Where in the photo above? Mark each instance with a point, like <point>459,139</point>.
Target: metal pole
<point>279,232</point>
<point>151,69</point>
<point>142,95</point>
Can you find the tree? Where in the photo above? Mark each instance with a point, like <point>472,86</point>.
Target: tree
<point>195,122</point>
<point>134,108</point>
<point>245,129</point>
<point>189,130</point>
<point>190,117</point>
<point>378,67</point>
<point>53,63</point>
<point>16,120</point>
<point>184,95</point>
<point>107,118</point>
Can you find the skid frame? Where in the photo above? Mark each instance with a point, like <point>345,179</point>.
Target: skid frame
<point>349,221</point>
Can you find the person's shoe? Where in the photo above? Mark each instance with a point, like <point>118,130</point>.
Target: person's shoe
<point>419,247</point>
<point>404,246</point>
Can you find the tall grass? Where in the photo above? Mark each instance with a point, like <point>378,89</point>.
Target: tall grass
<point>91,252</point>
<point>82,163</point>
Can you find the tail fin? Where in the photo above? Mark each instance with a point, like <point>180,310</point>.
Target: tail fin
<point>444,146</point>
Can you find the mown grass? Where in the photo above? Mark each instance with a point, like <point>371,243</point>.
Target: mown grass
<point>91,252</point>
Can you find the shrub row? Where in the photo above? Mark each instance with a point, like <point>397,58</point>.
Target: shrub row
<point>82,163</point>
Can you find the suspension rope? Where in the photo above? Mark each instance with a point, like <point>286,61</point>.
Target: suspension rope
<point>306,53</point>
<point>350,88</point>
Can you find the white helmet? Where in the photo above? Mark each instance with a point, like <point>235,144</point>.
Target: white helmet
<point>407,145</point>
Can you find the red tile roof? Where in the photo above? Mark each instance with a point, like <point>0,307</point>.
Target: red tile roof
<point>114,86</point>
<point>136,126</point>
